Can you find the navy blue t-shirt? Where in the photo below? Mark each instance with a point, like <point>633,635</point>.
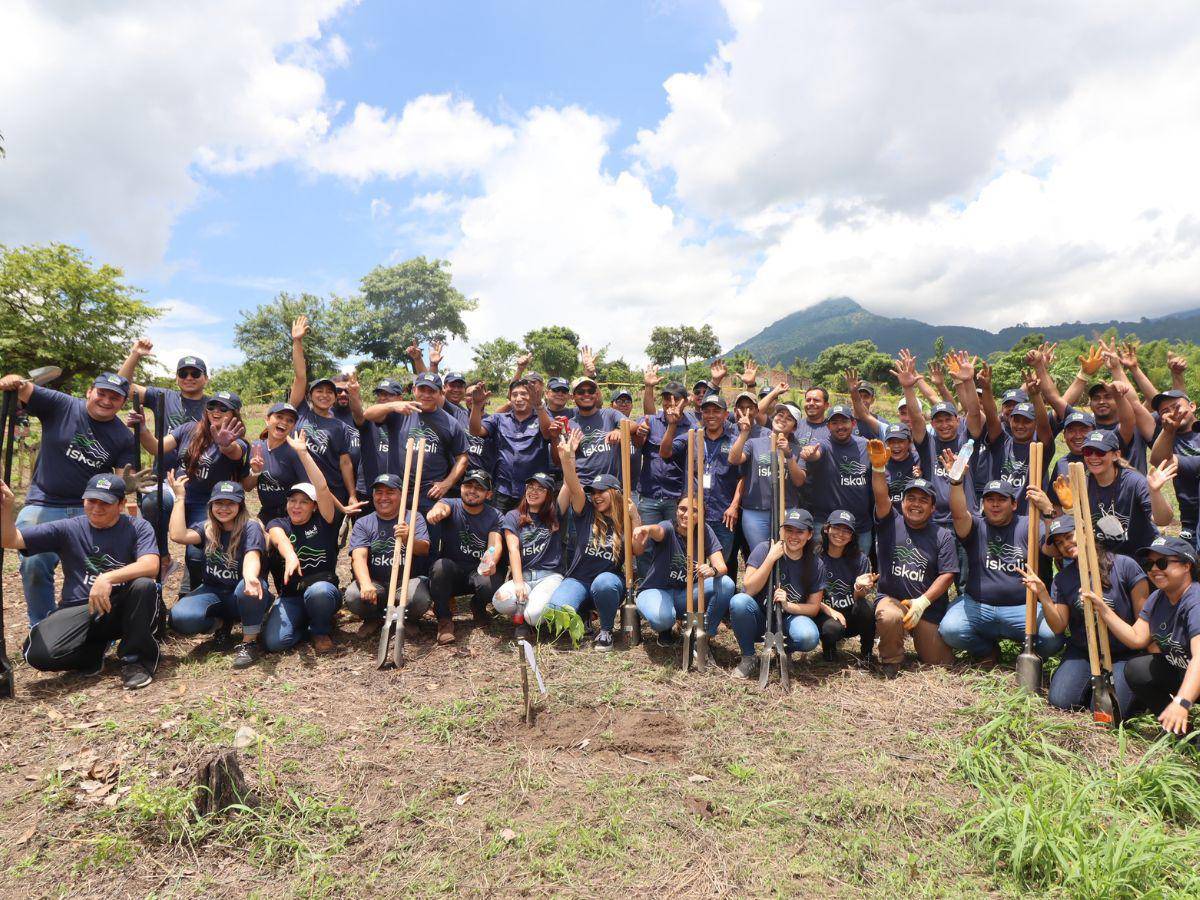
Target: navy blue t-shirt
<point>668,558</point>
<point>590,555</point>
<point>1008,460</point>
<point>1124,576</point>
<point>900,473</point>
<point>799,577</point>
<point>177,409</point>
<point>1187,480</point>
<point>929,452</point>
<point>596,456</point>
<point>756,470</point>
<point>74,448</point>
<point>282,470</point>
<point>445,440</point>
<point>212,467</point>
<point>221,571</point>
<point>481,451</point>
<point>465,536</point>
<point>721,479</point>
<point>541,547</point>
<point>378,536</point>
<point>996,556</point>
<point>346,416</point>
<point>373,455</point>
<point>662,479</point>
<point>1174,626</point>
<point>328,438</point>
<point>1121,515</point>
<point>520,450</point>
<point>87,552</point>
<point>316,546</point>
<point>840,479</point>
<point>910,560</point>
<point>840,574</point>
<point>809,433</point>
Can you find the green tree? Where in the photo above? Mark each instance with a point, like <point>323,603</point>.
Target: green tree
<point>871,363</point>
<point>413,302</point>
<point>683,342</point>
<point>264,334</point>
<point>58,308</point>
<point>555,350</point>
<point>494,362</point>
<point>663,348</point>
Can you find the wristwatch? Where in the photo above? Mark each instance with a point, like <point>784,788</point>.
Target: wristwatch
<point>1186,704</point>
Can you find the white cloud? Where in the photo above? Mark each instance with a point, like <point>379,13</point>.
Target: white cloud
<point>179,314</point>
<point>380,208</point>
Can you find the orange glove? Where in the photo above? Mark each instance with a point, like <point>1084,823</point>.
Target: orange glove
<point>1062,487</point>
<point>877,452</point>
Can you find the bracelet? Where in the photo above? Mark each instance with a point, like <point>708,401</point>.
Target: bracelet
<point>882,470</point>
<point>1186,704</point>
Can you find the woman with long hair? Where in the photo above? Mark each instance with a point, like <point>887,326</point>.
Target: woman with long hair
<point>232,589</point>
<point>845,611</point>
<point>1127,506</point>
<point>274,465</point>
<point>752,452</point>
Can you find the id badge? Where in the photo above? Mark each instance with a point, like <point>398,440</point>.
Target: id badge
<point>708,481</point>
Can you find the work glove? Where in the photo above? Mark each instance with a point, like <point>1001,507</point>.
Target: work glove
<point>916,608</point>
<point>877,452</point>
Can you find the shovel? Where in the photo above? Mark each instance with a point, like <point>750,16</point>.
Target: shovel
<point>1029,664</point>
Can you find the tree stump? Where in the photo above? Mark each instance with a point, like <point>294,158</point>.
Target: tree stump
<point>222,783</point>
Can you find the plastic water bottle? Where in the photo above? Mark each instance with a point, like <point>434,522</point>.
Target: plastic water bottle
<point>487,557</point>
<point>960,463</point>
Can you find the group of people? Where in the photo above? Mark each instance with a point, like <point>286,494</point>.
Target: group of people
<point>916,527</point>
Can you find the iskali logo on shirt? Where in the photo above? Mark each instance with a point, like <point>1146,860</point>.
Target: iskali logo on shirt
<point>310,557</point>
<point>838,593</point>
<point>763,462</point>
<point>96,563</point>
<point>679,568</point>
<point>1014,471</point>
<point>1110,526</point>
<point>534,539</point>
<point>852,472</point>
<point>317,439</point>
<point>382,551</point>
<point>471,544</point>
<point>593,442</point>
<point>426,433</point>
<point>1173,651</point>
<point>84,448</point>
<point>910,564</point>
<point>1004,557</point>
<point>218,564</point>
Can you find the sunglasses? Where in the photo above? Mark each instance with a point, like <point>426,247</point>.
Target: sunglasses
<point>341,392</point>
<point>189,373</point>
<point>1093,451</point>
<point>214,407</point>
<point>585,391</point>
<point>1162,562</point>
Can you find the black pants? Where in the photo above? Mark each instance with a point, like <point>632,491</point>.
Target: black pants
<point>448,579</point>
<point>72,638</point>
<point>1153,680</point>
<point>860,620</point>
<point>504,503</point>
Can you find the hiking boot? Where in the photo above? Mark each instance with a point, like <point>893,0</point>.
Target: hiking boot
<point>604,641</point>
<point>445,631</point>
<point>746,668</point>
<point>134,675</point>
<point>890,670</point>
<point>246,655</point>
<point>667,638</point>
<point>321,643</point>
<point>480,614</point>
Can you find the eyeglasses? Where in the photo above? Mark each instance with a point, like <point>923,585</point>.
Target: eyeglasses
<point>585,391</point>
<point>189,373</point>
<point>1093,451</point>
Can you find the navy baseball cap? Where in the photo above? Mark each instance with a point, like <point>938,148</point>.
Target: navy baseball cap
<point>1097,387</point>
<point>480,477</point>
<point>387,386</point>
<point>111,381</point>
<point>1024,410</point>
<point>701,385</point>
<point>603,482</point>
<point>1062,525</point>
<point>541,478</point>
<point>675,389</point>
<point>865,387</point>
<point>226,399</point>
<point>558,384</point>
<point>227,490</point>
<point>313,385</point>
<point>534,376</point>
<point>840,410</point>
<point>798,518</point>
<point>714,400</point>
<point>1173,394</point>
<point>943,407</point>
<point>899,432</point>
<point>764,390</point>
<point>428,379</point>
<point>1080,418</point>
<point>1164,545</point>
<point>388,480</point>
<point>454,376</point>
<point>282,408</point>
<point>1016,395</point>
<point>105,487</point>
<point>1000,486</point>
<point>191,362</point>
<point>920,484</point>
<point>842,517</point>
<point>621,392</point>
<point>1103,440</point>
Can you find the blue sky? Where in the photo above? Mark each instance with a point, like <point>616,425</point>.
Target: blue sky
<point>613,166</point>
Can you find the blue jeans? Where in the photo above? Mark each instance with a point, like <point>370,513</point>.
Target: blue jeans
<point>149,507</point>
<point>1071,683</point>
<point>293,618</point>
<point>756,527</point>
<point>606,591</point>
<point>976,627</point>
<point>195,512</point>
<point>662,607</point>
<point>197,612</point>
<point>748,619</point>
<point>37,571</point>
<point>726,537</point>
<point>653,512</point>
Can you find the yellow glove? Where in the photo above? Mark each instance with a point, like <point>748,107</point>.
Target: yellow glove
<point>1062,487</point>
<point>1091,361</point>
<point>916,608</point>
<point>877,452</point>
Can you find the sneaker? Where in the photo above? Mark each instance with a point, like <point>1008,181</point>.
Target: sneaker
<point>890,670</point>
<point>321,643</point>
<point>747,668</point>
<point>604,641</point>
<point>246,655</point>
<point>222,639</point>
<point>135,675</point>
<point>445,634</point>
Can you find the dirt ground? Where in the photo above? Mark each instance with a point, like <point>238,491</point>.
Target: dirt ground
<point>635,779</point>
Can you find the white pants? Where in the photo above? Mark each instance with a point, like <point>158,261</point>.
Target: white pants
<point>542,583</point>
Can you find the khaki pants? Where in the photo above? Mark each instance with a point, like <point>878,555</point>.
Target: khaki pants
<point>889,626</point>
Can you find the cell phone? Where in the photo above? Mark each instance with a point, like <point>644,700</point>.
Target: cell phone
<point>564,423</point>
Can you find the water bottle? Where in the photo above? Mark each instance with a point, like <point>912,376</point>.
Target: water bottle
<point>487,557</point>
<point>960,464</point>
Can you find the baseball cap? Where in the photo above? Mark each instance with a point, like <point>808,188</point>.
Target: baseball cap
<point>764,390</point>
<point>944,407</point>
<point>798,518</point>
<point>534,376</point>
<point>454,376</point>
<point>621,392</point>
<point>1164,545</point>
<point>282,408</point>
<point>388,386</point>
<point>1102,440</point>
<point>227,399</point>
<point>840,410</point>
<point>1062,525</point>
<point>105,487</point>
<point>899,432</point>
<point>1172,394</point>
<point>313,385</point>
<point>428,379</point>
<point>227,490</point>
<point>1097,387</point>
<point>541,478</point>
<point>904,403</point>
<point>793,411</point>
<point>191,362</point>
<point>388,480</point>
<point>111,381</point>
<point>603,482</point>
<point>303,487</point>
<point>842,517</point>
<point>865,387</point>
<point>675,389</point>
<point>480,477</point>
<point>558,384</point>
<point>701,384</point>
<point>1000,486</point>
<point>1080,418</point>
<point>714,400</point>
<point>1024,410</point>
<point>581,381</point>
<point>745,395</point>
<point>1014,395</point>
<point>920,484</point>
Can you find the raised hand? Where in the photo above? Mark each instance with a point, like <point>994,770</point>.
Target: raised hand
<point>948,458</point>
<point>1090,362</point>
<point>299,328</point>
<point>435,353</point>
<point>524,360</point>
<point>749,374</point>
<point>142,348</point>
<point>177,483</point>
<point>1174,417</point>
<point>1032,383</point>
<point>257,461</point>
<point>673,411</point>
<point>587,359</point>
<point>1127,354</point>
<point>351,506</point>
<point>937,373</point>
<point>983,376</point>
<point>744,421</point>
<point>1177,364</point>
<point>650,376</point>
<point>413,352</point>
<point>877,452</point>
<point>571,440</point>
<point>479,394</point>
<point>353,388</point>
<point>643,428</point>
<point>229,432</point>
<point>810,452</point>
<point>1030,579</point>
<point>961,366</point>
<point>851,381</point>
<point>1157,477</point>
<point>718,371</point>
<point>905,371</point>
<point>1066,497</point>
<point>298,442</point>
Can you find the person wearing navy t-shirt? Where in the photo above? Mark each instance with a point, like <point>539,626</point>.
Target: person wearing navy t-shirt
<point>533,540</point>
<point>1166,681</point>
<point>109,565</point>
<point>837,474</point>
<point>1007,449</point>
<point>1125,589</point>
<point>346,410</point>
<point>992,607</point>
<point>752,455</point>
<point>374,443</point>
<point>664,456</point>
<point>1076,428</point>
<point>599,448</point>
<point>481,452</point>
<point>722,480</point>
<point>233,587</point>
<point>472,552</point>
<point>274,466</point>
<point>1127,506</point>
<point>519,437</point>
<point>1179,436</point>
<point>845,610</point>
<point>80,439</point>
<point>917,565</point>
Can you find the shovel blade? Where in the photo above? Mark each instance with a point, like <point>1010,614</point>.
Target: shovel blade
<point>398,644</point>
<point>685,648</point>
<point>1029,671</point>
<point>631,625</point>
<point>701,649</point>
<point>44,375</point>
<point>764,667</point>
<point>385,635</point>
<point>1103,705</point>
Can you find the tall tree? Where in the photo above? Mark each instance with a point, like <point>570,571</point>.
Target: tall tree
<point>555,350</point>
<point>264,334</point>
<point>663,346</point>
<point>872,365</point>
<point>56,307</point>
<point>495,361</point>
<point>409,303</point>
<point>685,342</point>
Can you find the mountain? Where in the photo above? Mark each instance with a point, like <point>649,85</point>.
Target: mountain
<point>806,332</point>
